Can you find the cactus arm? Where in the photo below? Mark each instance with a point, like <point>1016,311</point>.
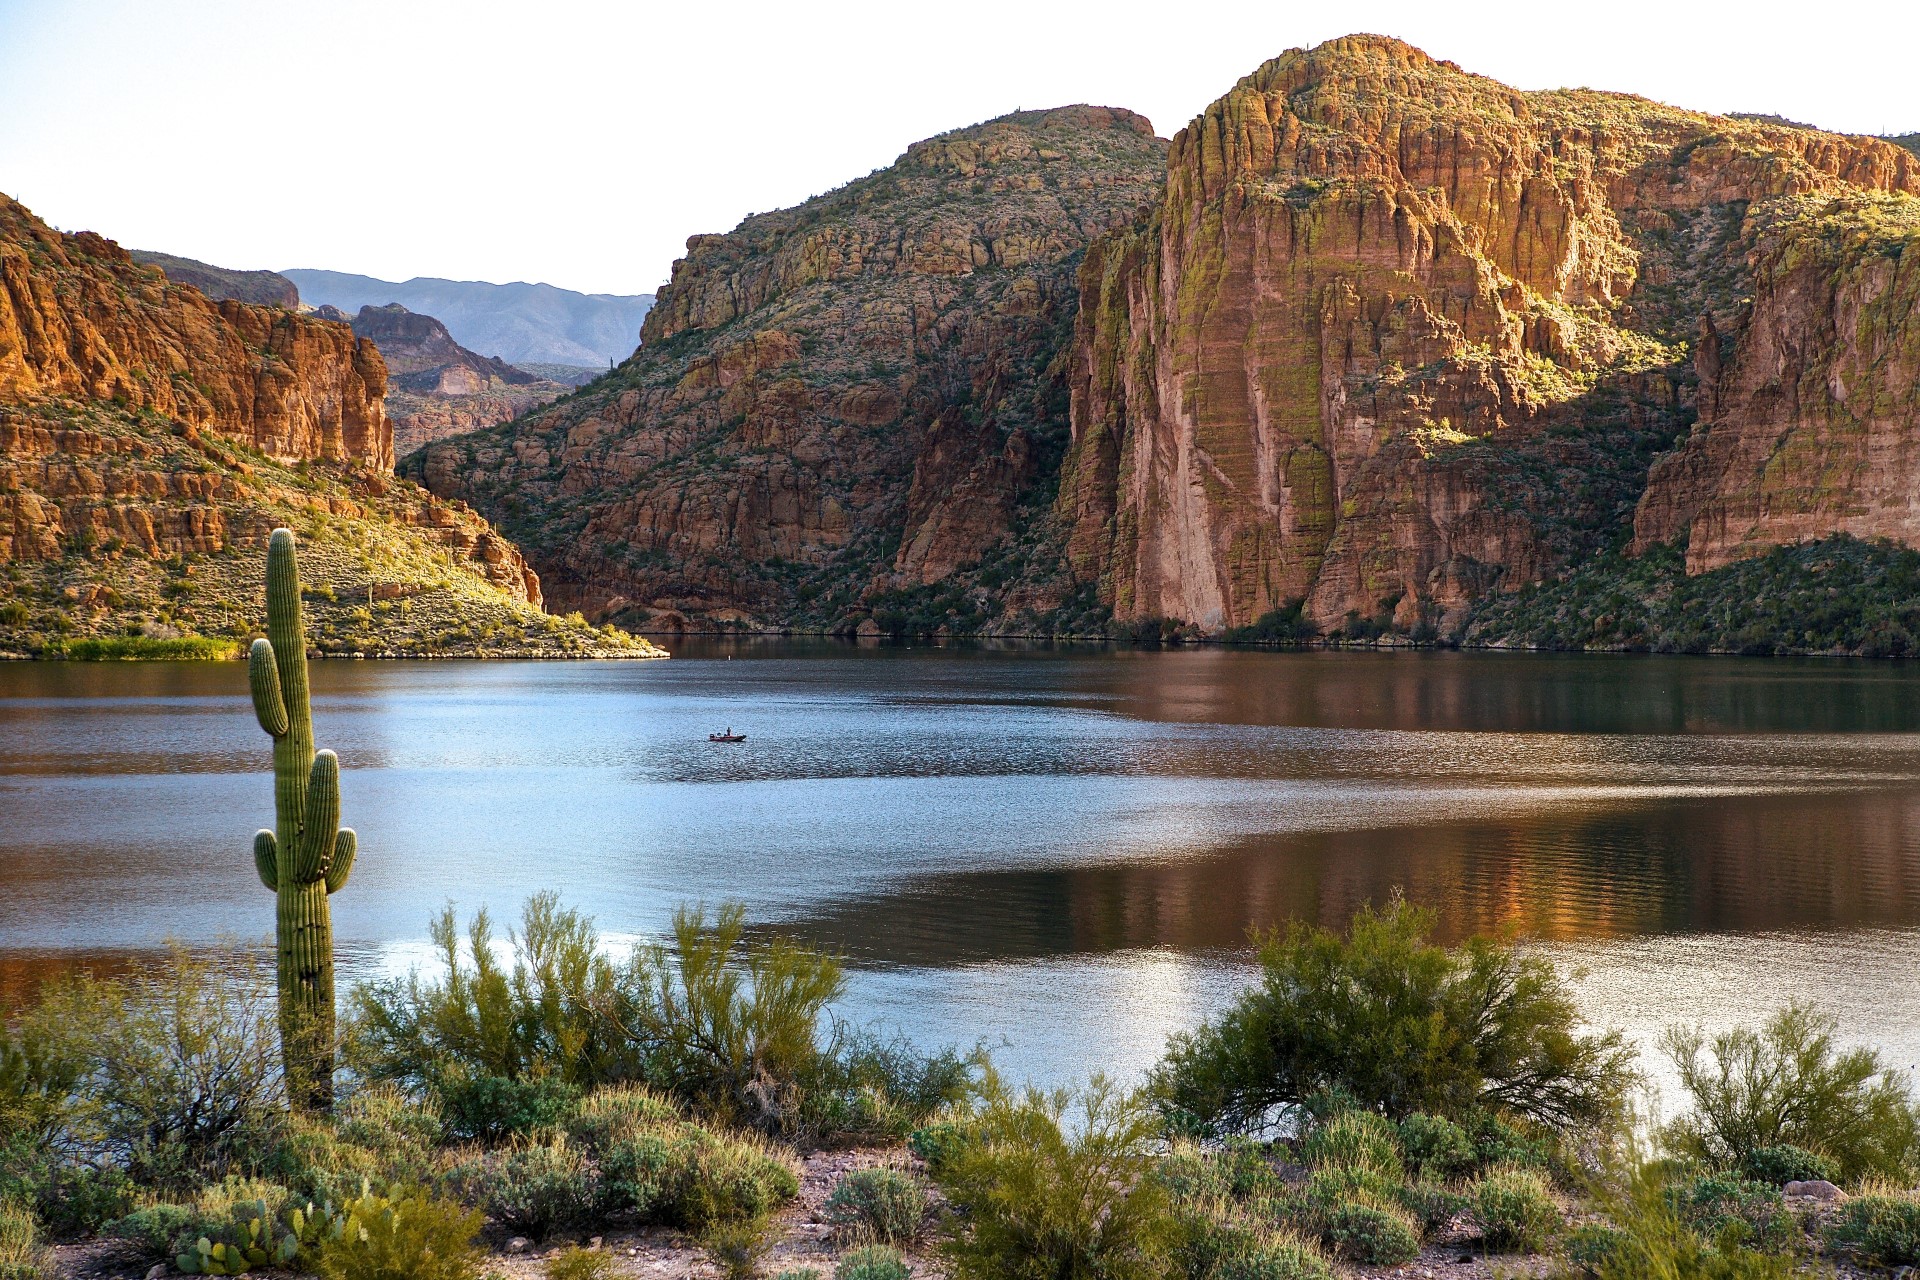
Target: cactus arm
<point>264,680</point>
<point>266,859</point>
<point>287,631</point>
<point>321,823</point>
<point>344,847</point>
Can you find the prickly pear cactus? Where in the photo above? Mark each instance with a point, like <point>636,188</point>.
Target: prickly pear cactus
<point>307,855</point>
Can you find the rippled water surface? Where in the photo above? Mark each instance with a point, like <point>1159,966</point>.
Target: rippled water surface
<point>1060,852</point>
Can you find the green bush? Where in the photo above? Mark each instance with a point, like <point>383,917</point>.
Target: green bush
<point>21,1257</point>
<point>1649,1241</point>
<point>220,1212</point>
<point>534,1188</point>
<point>1788,1084</point>
<point>1431,1205</point>
<point>880,1205</point>
<point>1399,1024</point>
<point>576,1263</point>
<point>612,1114</point>
<point>379,1138</point>
<point>1354,1140</point>
<point>1036,1198</point>
<point>1436,1147</point>
<point>1515,1209</point>
<point>874,1262</point>
<point>1276,1256</point>
<point>1726,1206</point>
<point>68,1199</point>
<point>1777,1166</point>
<point>410,1236</point>
<point>738,1247</point>
<point>1880,1229</point>
<point>1369,1233</point>
<point>801,1273</point>
<point>493,1108</point>
<point>683,1175</point>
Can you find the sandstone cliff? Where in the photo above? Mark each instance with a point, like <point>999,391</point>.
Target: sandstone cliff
<point>436,387</point>
<point>150,439</point>
<point>836,408</point>
<point>1397,336</point>
<point>263,288</point>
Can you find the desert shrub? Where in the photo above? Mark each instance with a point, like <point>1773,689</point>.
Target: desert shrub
<point>173,1078</point>
<point>683,1175</point>
<point>1648,1240</point>
<point>1436,1147</point>
<point>1726,1206</point>
<point>69,1199</point>
<point>535,1188</point>
<point>1498,1139</point>
<point>232,1213</point>
<point>738,1247</point>
<point>1878,1228</point>
<point>1273,1256</point>
<point>21,1256</point>
<point>1788,1084</point>
<point>377,1139</point>
<point>1779,1165</point>
<point>1515,1209</point>
<point>1053,1184</point>
<point>883,1205</point>
<point>1354,1140</point>
<point>937,1144</point>
<point>801,1273</point>
<point>386,1120</point>
<point>493,1108</point>
<point>576,1263</point>
<point>872,1262</point>
<point>730,1027</point>
<point>1369,1233</point>
<point>1431,1205</point>
<point>1399,1024</point>
<point>610,1115</point>
<point>409,1236</point>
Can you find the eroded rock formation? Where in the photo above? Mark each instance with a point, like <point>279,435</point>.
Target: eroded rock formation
<point>438,388</point>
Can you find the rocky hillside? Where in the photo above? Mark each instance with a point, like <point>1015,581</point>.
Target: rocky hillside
<point>151,438</point>
<point>436,387</point>
<point>1396,338</point>
<point>262,288</point>
<point>844,414</point>
<point>521,323</point>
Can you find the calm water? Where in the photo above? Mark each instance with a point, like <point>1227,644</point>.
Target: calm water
<point>1058,852</point>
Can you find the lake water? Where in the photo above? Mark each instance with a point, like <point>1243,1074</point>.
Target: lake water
<point>1057,851</point>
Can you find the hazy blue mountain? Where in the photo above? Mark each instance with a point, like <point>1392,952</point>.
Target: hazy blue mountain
<point>518,322</point>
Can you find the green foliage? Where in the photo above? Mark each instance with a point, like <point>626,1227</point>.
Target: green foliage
<point>141,649</point>
<point>1039,1195</point>
<point>872,1262</point>
<point>617,1112</point>
<point>1400,1025</point>
<point>1285,626</point>
<point>1777,1166</point>
<point>21,1256</point>
<point>408,1236</point>
<point>1431,1205</point>
<point>1367,1232</point>
<point>1359,1140</point>
<point>576,1263</point>
<point>534,1188</point>
<point>1880,1229</point>
<point>378,1138</point>
<point>1726,1206</point>
<point>1649,1240</point>
<point>883,1205</point>
<point>1788,1084</point>
<point>801,1273</point>
<point>732,1028</point>
<point>1835,595</point>
<point>1436,1147</point>
<point>937,1144</point>
<point>684,1175</point>
<point>1516,1210</point>
<point>738,1246</point>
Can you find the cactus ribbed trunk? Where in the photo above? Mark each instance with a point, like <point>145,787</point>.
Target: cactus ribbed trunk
<point>307,855</point>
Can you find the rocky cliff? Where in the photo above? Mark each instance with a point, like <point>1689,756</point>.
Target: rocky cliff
<point>841,411</point>
<point>1396,337</point>
<point>436,387</point>
<point>263,288</point>
<point>151,438</point>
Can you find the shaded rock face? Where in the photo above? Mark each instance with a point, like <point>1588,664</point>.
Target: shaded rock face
<point>1810,422</point>
<point>78,318</point>
<point>1397,336</point>
<point>852,397</point>
<point>147,432</point>
<point>438,387</point>
<point>262,288</point>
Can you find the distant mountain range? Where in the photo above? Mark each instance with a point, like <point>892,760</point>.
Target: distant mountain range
<point>520,323</point>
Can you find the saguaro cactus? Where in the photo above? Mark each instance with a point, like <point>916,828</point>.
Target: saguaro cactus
<point>308,855</point>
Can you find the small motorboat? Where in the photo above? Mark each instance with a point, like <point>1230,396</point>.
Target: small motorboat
<point>728,736</point>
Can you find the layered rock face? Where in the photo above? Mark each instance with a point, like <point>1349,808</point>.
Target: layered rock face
<point>849,398</point>
<point>151,439</point>
<point>438,388</point>
<point>1397,336</point>
<point>223,284</point>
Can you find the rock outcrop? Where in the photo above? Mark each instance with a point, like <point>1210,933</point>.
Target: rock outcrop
<point>834,405</point>
<point>1397,336</point>
<point>151,439</point>
<point>223,284</point>
<point>438,388</point>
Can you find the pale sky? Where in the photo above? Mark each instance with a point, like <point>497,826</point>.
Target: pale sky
<point>580,143</point>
